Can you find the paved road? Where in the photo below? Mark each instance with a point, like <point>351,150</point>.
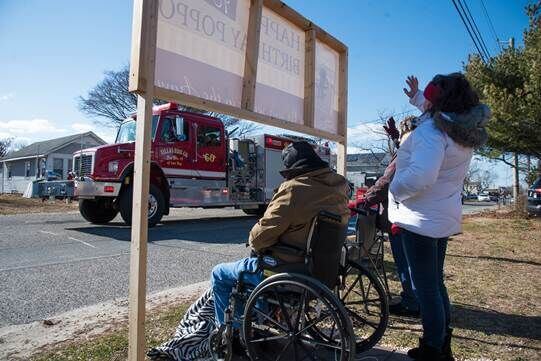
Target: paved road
<point>51,263</point>
<point>476,207</point>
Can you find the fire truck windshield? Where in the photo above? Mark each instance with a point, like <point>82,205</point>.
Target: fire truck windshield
<point>126,132</point>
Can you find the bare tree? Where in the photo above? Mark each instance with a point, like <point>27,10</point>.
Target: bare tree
<point>5,146</point>
<point>110,98</point>
<point>110,103</point>
<point>485,179</point>
<point>470,180</point>
<point>17,145</point>
<point>382,143</point>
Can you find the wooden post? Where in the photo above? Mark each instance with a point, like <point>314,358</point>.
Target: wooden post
<point>341,161</point>
<point>142,82</point>
<point>252,54</point>
<point>309,77</point>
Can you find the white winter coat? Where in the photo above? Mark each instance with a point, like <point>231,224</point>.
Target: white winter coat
<point>425,193</point>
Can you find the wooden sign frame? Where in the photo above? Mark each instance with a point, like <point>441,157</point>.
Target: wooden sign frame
<point>142,68</point>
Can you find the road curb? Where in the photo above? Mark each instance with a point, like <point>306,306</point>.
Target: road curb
<point>19,342</point>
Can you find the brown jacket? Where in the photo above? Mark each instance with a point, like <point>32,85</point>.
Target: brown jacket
<point>297,201</point>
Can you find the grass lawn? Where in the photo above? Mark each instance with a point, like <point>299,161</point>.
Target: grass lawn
<point>113,346</point>
<point>493,274</point>
<point>16,204</point>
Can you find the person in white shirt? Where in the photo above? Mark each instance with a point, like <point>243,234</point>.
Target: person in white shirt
<point>425,195</point>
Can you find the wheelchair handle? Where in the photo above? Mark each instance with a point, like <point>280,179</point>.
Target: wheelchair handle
<point>364,212</point>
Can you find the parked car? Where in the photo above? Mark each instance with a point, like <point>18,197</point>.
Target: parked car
<point>534,198</point>
<point>51,176</point>
<point>471,197</point>
<point>483,197</point>
<point>494,197</point>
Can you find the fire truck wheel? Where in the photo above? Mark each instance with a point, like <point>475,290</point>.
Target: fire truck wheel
<point>156,205</point>
<point>96,211</point>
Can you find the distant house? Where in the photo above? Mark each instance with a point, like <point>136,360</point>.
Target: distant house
<point>362,168</point>
<point>19,168</point>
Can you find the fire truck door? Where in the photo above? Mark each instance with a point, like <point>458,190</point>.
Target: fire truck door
<point>174,147</point>
<point>210,151</point>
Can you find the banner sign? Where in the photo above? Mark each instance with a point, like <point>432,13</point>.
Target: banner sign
<point>201,47</point>
<point>279,89</point>
<point>204,57</point>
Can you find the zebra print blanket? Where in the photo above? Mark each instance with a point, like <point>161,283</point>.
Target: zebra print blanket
<point>191,339</point>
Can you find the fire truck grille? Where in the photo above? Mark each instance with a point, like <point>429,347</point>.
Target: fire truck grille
<point>84,169</point>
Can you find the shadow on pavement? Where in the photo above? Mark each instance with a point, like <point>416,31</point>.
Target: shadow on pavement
<point>224,230</point>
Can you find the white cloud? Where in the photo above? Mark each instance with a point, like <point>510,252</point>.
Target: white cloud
<point>365,136</point>
<point>107,134</point>
<point>83,127</point>
<point>31,126</point>
<point>7,96</point>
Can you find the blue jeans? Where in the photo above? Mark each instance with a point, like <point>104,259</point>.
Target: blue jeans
<point>425,257</point>
<point>409,300</point>
<point>224,277</point>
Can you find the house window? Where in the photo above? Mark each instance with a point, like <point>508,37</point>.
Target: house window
<point>70,165</point>
<point>58,167</point>
<point>9,170</point>
<point>27,169</point>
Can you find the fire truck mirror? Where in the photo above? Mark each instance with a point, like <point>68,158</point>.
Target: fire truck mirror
<point>180,129</point>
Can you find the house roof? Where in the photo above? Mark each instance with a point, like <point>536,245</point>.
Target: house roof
<point>48,146</point>
<point>366,159</point>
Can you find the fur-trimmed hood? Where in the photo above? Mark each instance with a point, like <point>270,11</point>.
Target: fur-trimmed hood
<point>467,129</point>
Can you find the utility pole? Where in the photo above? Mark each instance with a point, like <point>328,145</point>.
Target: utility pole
<point>516,173</point>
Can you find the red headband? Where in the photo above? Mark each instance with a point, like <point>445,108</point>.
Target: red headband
<point>432,92</point>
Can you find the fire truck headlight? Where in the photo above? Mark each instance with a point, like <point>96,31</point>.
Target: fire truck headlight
<point>113,166</point>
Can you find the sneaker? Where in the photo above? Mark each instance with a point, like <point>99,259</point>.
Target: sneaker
<point>399,310</point>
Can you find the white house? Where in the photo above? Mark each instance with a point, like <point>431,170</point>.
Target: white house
<point>19,168</point>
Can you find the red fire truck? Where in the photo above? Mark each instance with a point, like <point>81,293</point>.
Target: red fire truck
<point>194,163</point>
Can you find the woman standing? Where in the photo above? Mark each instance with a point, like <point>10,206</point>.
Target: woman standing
<point>425,195</point>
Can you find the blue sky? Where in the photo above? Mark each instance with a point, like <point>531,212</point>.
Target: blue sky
<point>54,51</point>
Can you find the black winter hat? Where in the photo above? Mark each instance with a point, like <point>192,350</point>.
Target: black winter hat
<point>299,158</point>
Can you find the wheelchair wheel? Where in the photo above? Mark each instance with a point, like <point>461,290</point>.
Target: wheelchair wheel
<point>220,345</point>
<point>366,302</point>
<point>281,317</point>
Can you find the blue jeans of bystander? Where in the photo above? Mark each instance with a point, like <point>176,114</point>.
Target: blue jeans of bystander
<point>409,300</point>
<point>425,257</point>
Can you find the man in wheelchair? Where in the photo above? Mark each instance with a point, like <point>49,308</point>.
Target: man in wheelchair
<point>280,236</point>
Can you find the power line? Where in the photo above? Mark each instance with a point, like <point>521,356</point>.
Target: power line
<point>476,28</point>
<point>473,27</point>
<point>496,38</point>
<point>469,32</point>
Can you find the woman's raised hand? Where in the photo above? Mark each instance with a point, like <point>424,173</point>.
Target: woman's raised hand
<point>413,84</point>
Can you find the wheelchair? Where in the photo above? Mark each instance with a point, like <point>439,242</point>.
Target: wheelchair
<point>326,307</point>
<point>370,238</point>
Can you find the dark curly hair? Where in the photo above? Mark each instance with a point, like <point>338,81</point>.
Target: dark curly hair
<point>457,95</point>
<point>407,124</point>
